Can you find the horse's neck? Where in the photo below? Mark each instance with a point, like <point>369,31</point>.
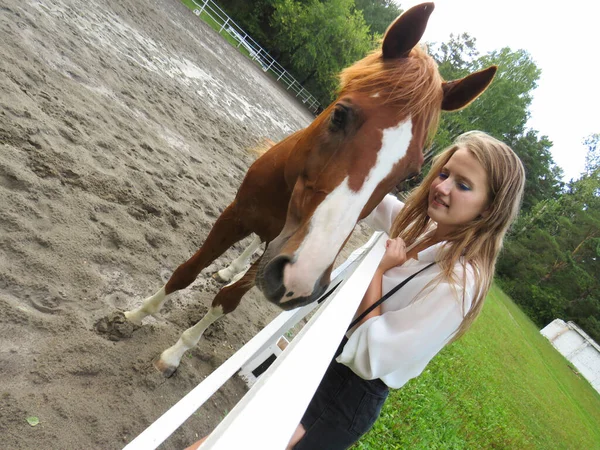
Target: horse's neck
<point>291,161</point>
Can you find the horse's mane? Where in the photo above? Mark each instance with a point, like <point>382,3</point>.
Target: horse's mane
<point>413,83</point>
<point>261,147</point>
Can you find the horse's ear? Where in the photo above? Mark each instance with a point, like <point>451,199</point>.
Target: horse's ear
<point>459,93</point>
<point>406,31</point>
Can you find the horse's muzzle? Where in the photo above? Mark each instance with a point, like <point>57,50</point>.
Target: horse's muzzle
<point>270,282</point>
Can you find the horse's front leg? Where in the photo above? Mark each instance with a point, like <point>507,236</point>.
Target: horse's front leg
<point>227,230</point>
<point>226,300</point>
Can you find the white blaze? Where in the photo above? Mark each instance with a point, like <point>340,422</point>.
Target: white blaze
<point>337,215</point>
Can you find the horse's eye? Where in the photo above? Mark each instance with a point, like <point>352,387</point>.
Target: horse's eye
<point>338,117</point>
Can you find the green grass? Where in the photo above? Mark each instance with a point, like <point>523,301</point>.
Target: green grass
<point>503,386</point>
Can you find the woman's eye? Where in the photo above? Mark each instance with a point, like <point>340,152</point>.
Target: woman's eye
<point>463,187</point>
<point>443,175</point>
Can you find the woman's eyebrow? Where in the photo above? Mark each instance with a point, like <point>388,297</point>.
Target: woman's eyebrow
<point>465,178</point>
<point>459,176</point>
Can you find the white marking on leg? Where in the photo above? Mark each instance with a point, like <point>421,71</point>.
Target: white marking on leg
<point>149,306</point>
<point>190,337</point>
<point>237,277</point>
<point>240,263</point>
<point>335,218</point>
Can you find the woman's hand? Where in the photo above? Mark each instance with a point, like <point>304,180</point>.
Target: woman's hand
<point>395,254</point>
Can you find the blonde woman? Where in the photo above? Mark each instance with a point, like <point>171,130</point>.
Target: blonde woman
<point>444,242</point>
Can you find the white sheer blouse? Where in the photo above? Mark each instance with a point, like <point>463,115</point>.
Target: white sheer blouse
<point>397,345</point>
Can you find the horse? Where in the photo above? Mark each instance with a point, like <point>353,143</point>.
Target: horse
<point>306,194</point>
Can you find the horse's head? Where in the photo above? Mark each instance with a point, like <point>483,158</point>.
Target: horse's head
<point>355,152</point>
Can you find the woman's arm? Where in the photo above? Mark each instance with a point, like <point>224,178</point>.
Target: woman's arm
<point>395,255</point>
<point>399,343</point>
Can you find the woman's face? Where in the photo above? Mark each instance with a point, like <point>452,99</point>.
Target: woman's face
<point>459,193</point>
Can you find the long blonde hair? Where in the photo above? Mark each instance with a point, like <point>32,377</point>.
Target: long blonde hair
<point>479,242</point>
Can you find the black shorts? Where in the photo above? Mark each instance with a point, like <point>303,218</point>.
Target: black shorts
<point>343,408</point>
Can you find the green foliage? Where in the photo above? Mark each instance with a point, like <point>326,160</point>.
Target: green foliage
<point>252,16</point>
<point>501,386</point>
<point>551,263</point>
<point>318,39</point>
<point>378,14</point>
<point>511,93</point>
<point>542,175</point>
<point>313,39</point>
<point>590,324</point>
<point>457,56</point>
<point>502,110</point>
<point>592,159</point>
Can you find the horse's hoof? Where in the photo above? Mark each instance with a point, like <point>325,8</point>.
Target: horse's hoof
<point>164,368</point>
<point>132,317</point>
<point>219,278</point>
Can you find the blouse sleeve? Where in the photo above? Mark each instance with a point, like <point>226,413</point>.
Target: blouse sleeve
<point>384,214</point>
<point>401,343</point>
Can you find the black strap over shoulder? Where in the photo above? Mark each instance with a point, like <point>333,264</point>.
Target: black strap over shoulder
<point>375,305</point>
<point>386,296</point>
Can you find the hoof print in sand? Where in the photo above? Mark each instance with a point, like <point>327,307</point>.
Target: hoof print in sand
<point>47,305</point>
<point>115,326</point>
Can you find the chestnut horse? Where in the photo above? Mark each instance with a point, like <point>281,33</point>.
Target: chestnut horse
<point>304,196</point>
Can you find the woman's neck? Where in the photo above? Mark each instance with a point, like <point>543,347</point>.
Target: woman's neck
<point>421,244</point>
<point>441,233</point>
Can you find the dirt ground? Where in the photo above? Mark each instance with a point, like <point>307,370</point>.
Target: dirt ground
<point>124,130</point>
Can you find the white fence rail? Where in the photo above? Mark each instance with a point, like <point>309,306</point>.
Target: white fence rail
<point>257,53</point>
<point>268,414</point>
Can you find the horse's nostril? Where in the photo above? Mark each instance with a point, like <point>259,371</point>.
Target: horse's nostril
<point>273,277</point>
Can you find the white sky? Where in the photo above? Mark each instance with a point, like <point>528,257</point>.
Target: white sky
<point>564,42</point>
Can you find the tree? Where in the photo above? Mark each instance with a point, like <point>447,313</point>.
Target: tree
<point>317,40</point>
<point>378,14</point>
<point>551,263</point>
<point>543,176</point>
<point>592,158</point>
<point>503,109</point>
<point>457,56</point>
<point>254,17</point>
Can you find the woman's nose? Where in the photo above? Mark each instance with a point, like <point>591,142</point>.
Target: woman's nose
<point>444,187</point>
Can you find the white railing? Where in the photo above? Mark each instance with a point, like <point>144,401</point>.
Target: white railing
<point>256,52</point>
<point>270,411</point>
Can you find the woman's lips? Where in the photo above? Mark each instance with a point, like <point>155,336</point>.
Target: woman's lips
<point>437,202</point>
